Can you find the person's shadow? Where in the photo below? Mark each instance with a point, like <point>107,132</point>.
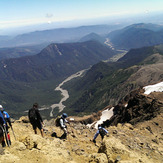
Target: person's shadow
<point>54,134</point>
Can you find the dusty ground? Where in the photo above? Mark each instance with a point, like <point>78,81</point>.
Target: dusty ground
<point>140,143</point>
<point>29,147</point>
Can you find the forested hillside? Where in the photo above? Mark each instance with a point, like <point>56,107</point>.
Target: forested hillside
<point>106,83</point>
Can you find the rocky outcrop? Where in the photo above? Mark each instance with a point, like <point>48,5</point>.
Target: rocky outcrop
<point>115,150</point>
<point>136,107</point>
<point>98,157</point>
<point>140,143</point>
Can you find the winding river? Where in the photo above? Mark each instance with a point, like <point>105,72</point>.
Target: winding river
<point>64,93</point>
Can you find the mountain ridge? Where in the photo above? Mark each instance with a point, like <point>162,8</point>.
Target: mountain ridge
<point>92,36</point>
<point>15,52</point>
<point>34,78</point>
<point>136,36</point>
<point>48,62</point>
<point>58,35</point>
<point>109,82</point>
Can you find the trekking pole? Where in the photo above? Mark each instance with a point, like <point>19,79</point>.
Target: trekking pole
<point>13,132</point>
<point>6,136</point>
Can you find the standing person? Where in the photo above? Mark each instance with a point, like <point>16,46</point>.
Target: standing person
<point>7,124</point>
<point>2,125</point>
<point>102,131</point>
<point>6,117</point>
<point>63,126</point>
<point>35,119</point>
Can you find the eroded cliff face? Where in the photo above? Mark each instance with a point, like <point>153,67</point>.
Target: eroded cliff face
<point>137,107</point>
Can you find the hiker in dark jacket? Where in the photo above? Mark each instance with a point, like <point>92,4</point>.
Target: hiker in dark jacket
<point>8,124</point>
<point>35,119</point>
<point>63,126</point>
<point>102,131</point>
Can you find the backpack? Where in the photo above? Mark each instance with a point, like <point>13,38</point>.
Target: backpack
<point>32,115</point>
<point>57,121</point>
<point>102,132</point>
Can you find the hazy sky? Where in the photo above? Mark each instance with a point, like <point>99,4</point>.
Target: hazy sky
<point>26,12</point>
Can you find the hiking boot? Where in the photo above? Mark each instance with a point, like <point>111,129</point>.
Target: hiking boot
<point>64,136</point>
<point>3,144</point>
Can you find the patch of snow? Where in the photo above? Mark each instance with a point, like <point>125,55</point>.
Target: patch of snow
<point>72,119</point>
<point>106,115</point>
<point>153,88</point>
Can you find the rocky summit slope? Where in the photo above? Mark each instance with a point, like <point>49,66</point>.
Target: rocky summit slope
<point>126,143</point>
<point>141,141</point>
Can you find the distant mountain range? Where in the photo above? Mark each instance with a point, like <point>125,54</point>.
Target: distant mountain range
<point>58,35</point>
<point>16,52</point>
<point>5,38</point>
<point>56,60</point>
<point>33,78</point>
<point>136,36</point>
<point>133,36</point>
<point>20,51</point>
<point>93,36</point>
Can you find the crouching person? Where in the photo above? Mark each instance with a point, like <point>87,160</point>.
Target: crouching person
<point>63,126</point>
<point>102,131</point>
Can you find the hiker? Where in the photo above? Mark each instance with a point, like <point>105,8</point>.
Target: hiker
<point>35,119</point>
<point>63,126</point>
<point>7,123</point>
<point>2,124</point>
<point>6,117</point>
<point>102,131</point>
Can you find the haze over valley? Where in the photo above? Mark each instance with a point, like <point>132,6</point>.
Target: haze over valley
<point>37,64</point>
